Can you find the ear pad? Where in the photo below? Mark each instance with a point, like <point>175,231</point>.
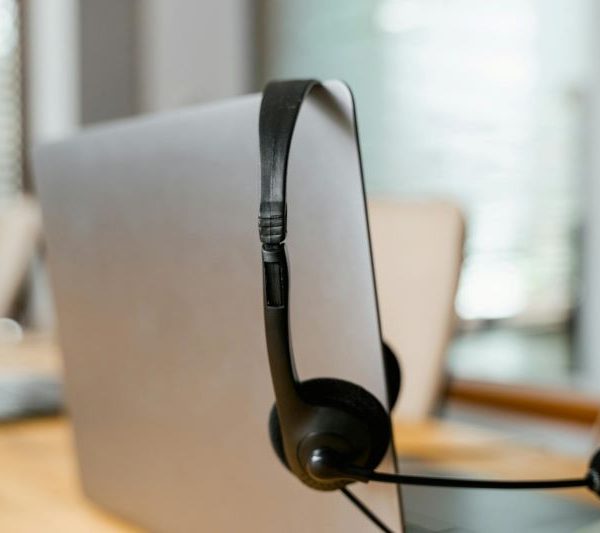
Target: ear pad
<point>393,374</point>
<point>275,435</point>
<point>350,398</point>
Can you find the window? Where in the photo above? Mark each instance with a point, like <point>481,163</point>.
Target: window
<point>10,100</point>
<point>481,102</point>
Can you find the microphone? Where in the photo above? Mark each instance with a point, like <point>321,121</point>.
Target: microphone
<point>325,465</point>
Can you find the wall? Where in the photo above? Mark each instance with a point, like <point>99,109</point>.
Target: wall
<point>90,61</point>
<point>107,33</point>
<point>193,51</point>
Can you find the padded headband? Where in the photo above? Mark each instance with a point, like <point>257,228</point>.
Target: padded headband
<point>278,113</point>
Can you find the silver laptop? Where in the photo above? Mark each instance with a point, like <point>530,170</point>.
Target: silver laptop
<point>155,264</point>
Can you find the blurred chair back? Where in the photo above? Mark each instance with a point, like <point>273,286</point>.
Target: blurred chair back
<point>417,252</point>
<point>20,230</point>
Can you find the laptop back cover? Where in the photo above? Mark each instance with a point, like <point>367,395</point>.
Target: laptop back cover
<point>155,264</point>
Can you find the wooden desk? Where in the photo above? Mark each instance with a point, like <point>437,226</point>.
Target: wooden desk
<point>39,489</point>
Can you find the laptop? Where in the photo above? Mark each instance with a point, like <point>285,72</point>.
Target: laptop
<point>154,256</point>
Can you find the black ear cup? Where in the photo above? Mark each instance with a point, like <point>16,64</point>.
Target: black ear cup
<point>593,476</point>
<point>393,375</point>
<point>275,435</point>
<point>351,399</point>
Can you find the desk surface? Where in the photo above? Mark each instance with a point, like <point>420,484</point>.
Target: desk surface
<point>39,486</point>
<point>39,489</point>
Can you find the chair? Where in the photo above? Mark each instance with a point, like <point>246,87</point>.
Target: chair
<point>417,254</point>
<point>20,230</point>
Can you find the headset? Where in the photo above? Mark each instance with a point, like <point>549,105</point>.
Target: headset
<point>329,432</point>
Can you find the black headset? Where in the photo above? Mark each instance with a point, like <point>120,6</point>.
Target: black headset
<point>328,432</point>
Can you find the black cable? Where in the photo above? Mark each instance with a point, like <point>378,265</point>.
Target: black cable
<point>384,477</point>
<point>368,513</point>
<point>467,483</point>
<point>451,482</point>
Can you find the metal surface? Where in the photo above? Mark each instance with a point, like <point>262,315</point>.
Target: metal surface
<point>155,263</point>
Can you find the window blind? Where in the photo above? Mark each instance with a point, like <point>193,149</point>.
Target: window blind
<point>10,101</point>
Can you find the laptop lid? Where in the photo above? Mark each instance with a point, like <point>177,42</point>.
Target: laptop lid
<point>155,265</point>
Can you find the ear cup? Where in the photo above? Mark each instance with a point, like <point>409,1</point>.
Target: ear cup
<point>350,398</point>
<point>393,374</point>
<point>275,435</point>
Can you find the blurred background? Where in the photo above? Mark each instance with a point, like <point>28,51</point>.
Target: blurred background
<point>489,105</point>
